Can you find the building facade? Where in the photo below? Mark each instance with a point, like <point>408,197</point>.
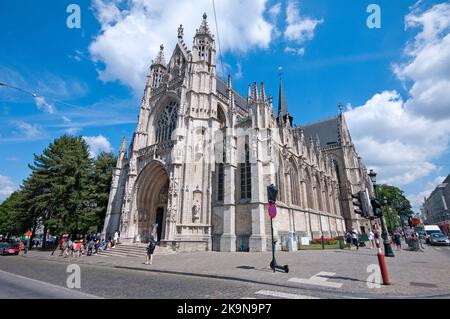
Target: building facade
<point>437,206</point>
<point>202,156</point>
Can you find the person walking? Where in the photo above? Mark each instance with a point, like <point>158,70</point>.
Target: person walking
<point>116,238</point>
<point>398,241</point>
<point>90,247</point>
<point>355,238</point>
<point>348,239</point>
<point>371,239</point>
<point>151,248</point>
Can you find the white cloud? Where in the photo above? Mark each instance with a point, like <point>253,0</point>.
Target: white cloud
<point>298,51</point>
<point>418,198</point>
<point>396,142</point>
<point>7,187</point>
<point>428,66</point>
<point>29,130</point>
<point>402,138</point>
<point>238,75</point>
<point>128,42</point>
<point>299,28</point>
<point>98,144</point>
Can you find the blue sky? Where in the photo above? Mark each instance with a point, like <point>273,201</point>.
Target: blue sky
<point>90,80</point>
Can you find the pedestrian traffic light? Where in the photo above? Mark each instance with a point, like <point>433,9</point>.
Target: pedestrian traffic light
<point>272,192</point>
<point>376,206</point>
<point>362,204</point>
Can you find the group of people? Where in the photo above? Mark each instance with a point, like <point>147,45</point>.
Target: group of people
<point>351,238</point>
<point>89,246</point>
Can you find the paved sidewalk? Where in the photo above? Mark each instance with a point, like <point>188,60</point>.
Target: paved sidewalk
<point>412,274</point>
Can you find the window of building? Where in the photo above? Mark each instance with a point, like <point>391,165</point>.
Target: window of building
<point>166,122</point>
<point>246,175</point>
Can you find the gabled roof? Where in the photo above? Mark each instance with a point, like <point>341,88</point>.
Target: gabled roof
<point>327,131</point>
<point>222,88</point>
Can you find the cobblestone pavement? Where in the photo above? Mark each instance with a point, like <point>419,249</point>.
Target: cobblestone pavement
<point>323,274</point>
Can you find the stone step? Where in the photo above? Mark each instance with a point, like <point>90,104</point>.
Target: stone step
<point>134,250</point>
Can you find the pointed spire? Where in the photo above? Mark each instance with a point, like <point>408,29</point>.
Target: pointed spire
<point>255,91</point>
<point>123,146</point>
<point>160,60</point>
<point>263,93</point>
<point>229,82</point>
<point>249,94</point>
<point>204,29</point>
<point>340,108</point>
<point>283,112</point>
<point>180,32</point>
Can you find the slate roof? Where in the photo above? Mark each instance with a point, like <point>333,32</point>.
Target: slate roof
<point>221,87</point>
<point>327,131</point>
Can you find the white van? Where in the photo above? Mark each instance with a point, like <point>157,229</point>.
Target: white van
<point>431,229</point>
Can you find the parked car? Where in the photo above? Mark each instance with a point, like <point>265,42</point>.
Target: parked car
<point>439,239</point>
<point>9,249</point>
<point>431,229</point>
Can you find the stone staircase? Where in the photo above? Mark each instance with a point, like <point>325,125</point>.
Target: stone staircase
<point>136,250</point>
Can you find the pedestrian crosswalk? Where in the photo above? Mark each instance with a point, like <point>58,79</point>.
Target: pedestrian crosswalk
<point>322,279</point>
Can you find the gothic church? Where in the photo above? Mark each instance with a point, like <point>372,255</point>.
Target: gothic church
<point>202,156</point>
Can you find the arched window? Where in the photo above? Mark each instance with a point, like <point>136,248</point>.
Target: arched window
<point>294,185</point>
<point>319,194</point>
<point>309,192</point>
<point>220,166</point>
<point>157,77</point>
<point>166,122</point>
<point>246,175</point>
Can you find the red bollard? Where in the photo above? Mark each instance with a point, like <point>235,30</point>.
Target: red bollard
<point>383,268</point>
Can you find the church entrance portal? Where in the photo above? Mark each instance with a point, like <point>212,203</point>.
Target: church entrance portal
<point>152,201</point>
<point>159,221</point>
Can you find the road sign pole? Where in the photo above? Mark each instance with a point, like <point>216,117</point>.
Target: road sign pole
<point>382,262</point>
<point>273,262</point>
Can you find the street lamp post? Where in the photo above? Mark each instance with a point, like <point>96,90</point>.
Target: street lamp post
<point>387,243</point>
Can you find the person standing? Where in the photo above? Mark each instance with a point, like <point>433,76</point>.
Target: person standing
<point>371,239</point>
<point>150,249</point>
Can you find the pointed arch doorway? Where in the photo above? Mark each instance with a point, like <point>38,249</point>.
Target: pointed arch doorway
<point>152,198</point>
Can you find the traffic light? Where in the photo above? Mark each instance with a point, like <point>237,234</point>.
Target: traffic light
<point>376,206</point>
<point>272,192</point>
<point>362,204</point>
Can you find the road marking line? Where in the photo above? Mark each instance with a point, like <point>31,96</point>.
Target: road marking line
<point>85,295</point>
<point>283,295</point>
<point>318,280</point>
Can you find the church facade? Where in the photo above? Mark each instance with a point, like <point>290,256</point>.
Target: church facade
<point>202,156</point>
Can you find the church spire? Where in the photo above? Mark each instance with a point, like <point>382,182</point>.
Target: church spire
<point>204,28</point>
<point>160,60</point>
<point>283,112</point>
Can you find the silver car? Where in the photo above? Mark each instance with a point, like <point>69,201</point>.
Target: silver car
<point>439,239</point>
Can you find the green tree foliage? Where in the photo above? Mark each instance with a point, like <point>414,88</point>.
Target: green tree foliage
<point>395,205</point>
<point>67,191</point>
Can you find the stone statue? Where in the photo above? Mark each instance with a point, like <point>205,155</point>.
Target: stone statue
<point>196,211</point>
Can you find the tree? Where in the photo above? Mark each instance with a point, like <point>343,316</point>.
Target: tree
<point>11,214</point>
<point>61,176</point>
<point>67,191</point>
<point>100,183</point>
<point>395,205</point>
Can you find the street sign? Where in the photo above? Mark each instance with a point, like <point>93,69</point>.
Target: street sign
<point>272,210</point>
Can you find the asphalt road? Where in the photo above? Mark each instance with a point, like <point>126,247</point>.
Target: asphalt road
<point>48,280</point>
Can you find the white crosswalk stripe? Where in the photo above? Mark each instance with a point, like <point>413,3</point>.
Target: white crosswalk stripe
<point>318,280</point>
<point>285,295</point>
